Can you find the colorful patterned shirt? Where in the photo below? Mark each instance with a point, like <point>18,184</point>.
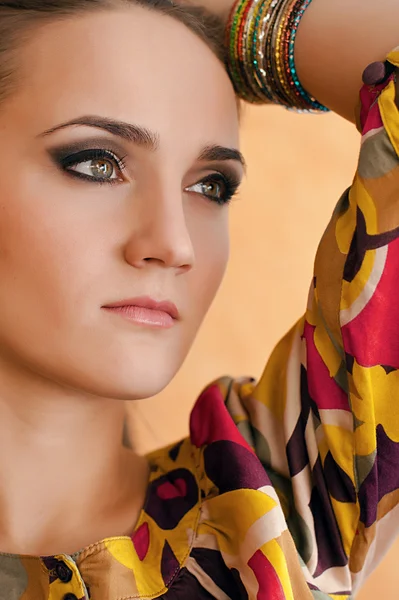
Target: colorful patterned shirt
<point>287,488</point>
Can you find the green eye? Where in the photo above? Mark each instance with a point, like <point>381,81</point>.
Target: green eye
<point>95,165</point>
<point>98,168</point>
<point>211,189</point>
<point>217,188</point>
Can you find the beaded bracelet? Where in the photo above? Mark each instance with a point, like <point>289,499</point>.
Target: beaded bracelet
<point>235,62</point>
<point>260,36</point>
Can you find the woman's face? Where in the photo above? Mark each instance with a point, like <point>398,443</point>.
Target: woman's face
<point>97,213</point>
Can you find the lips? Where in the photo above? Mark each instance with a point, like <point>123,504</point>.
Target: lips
<point>146,311</point>
<point>148,303</point>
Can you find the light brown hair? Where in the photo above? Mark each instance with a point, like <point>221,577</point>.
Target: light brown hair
<point>19,18</point>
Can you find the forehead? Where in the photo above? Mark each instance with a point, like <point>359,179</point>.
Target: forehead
<point>133,64</point>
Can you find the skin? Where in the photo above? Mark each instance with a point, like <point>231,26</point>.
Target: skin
<point>336,40</point>
<point>68,246</point>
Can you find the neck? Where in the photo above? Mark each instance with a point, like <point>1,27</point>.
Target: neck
<point>65,478</point>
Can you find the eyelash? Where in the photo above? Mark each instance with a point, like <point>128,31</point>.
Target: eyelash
<point>230,182</point>
<point>92,154</point>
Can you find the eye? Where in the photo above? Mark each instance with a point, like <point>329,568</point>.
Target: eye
<point>96,165</point>
<point>217,187</point>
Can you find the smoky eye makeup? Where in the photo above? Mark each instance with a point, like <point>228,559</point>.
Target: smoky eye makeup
<point>219,187</point>
<point>63,151</point>
<point>100,160</point>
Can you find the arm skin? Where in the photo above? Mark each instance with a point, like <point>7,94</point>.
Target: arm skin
<point>336,40</point>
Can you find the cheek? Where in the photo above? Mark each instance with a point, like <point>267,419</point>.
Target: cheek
<point>211,251</point>
<point>39,245</point>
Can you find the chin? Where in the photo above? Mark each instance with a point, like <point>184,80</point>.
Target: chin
<point>136,380</point>
<point>108,367</point>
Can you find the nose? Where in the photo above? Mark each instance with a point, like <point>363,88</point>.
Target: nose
<point>160,234</point>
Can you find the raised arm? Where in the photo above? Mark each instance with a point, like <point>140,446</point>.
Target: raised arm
<point>336,40</point>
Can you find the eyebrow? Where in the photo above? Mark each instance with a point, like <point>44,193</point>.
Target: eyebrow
<point>220,153</point>
<point>145,138</point>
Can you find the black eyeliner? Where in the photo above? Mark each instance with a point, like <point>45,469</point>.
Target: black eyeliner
<point>71,155</point>
<point>231,181</point>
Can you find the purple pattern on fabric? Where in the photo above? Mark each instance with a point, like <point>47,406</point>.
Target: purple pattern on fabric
<point>361,243</point>
<point>338,482</point>
<point>212,563</point>
<point>169,564</point>
<point>243,594</point>
<point>50,563</point>
<point>368,497</point>
<point>297,452</point>
<point>186,587</point>
<point>168,512</point>
<point>328,537</point>
<point>382,479</point>
<point>174,452</point>
<point>233,467</point>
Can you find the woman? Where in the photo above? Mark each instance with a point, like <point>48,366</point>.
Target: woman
<point>119,141</point>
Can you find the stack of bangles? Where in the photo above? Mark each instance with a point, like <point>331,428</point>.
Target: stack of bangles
<point>260,39</point>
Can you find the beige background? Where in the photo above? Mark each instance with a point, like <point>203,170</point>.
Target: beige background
<point>298,167</point>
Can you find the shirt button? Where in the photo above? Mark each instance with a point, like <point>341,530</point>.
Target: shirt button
<point>70,597</point>
<point>64,574</point>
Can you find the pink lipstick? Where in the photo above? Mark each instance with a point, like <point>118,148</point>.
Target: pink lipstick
<point>146,311</point>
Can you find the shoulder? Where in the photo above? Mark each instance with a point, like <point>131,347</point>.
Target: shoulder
<point>219,453</point>
<point>211,498</point>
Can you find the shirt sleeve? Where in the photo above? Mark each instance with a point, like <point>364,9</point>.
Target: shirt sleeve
<point>324,417</point>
